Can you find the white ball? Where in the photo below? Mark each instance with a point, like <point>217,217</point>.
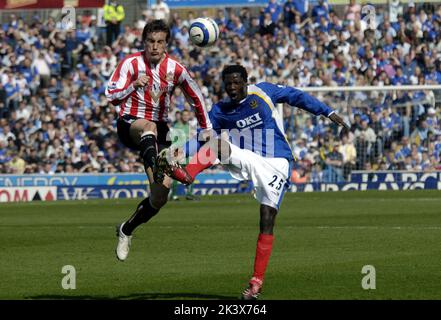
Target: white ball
<point>204,32</point>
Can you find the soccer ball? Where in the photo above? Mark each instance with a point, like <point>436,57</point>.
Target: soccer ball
<point>204,32</point>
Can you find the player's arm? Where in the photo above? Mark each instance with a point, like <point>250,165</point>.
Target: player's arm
<point>303,100</point>
<point>121,83</point>
<point>195,98</point>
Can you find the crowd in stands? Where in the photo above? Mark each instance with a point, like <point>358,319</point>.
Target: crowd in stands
<point>54,117</point>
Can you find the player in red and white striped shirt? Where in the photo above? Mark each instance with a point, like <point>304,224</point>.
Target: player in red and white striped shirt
<point>142,86</point>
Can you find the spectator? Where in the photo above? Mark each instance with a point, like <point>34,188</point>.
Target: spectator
<point>23,112</point>
<point>267,25</point>
<point>395,10</point>
<point>349,155</point>
<point>289,12</point>
<point>182,37</point>
<point>161,11</point>
<point>113,16</point>
<point>320,10</point>
<point>274,9</point>
<point>419,135</point>
<point>17,165</point>
<point>327,51</point>
<point>334,165</point>
<point>352,10</point>
<point>299,175</point>
<point>433,121</point>
<point>4,108</point>
<point>12,93</point>
<point>366,130</point>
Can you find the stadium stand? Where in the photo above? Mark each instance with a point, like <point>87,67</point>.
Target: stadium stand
<point>54,117</point>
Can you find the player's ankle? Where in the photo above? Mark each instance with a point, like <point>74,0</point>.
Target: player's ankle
<point>257,280</point>
<point>125,231</point>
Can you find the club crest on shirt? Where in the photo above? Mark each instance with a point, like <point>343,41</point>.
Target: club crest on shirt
<point>170,76</point>
<point>253,104</point>
<point>155,90</point>
<point>112,86</point>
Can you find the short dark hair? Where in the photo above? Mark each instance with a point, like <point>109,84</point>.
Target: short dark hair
<point>156,26</point>
<point>235,68</point>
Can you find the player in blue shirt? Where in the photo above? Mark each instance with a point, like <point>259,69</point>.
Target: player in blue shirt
<point>249,140</point>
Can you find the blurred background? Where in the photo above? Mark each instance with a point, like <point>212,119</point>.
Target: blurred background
<point>55,63</point>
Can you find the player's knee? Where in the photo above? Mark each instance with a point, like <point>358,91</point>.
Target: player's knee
<point>141,126</point>
<point>158,201</point>
<point>148,126</point>
<point>145,211</point>
<point>159,195</point>
<point>267,219</point>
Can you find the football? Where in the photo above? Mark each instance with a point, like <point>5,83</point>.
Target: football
<point>204,32</point>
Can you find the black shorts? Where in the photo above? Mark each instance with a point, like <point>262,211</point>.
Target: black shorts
<point>123,128</point>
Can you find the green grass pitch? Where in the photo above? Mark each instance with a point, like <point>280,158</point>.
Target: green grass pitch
<point>205,249</point>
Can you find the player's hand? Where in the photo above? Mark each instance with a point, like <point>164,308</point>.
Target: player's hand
<point>338,120</point>
<point>141,82</point>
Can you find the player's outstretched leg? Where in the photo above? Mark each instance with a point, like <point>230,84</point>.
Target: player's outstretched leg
<point>203,159</point>
<point>167,165</point>
<point>263,252</point>
<point>144,212</point>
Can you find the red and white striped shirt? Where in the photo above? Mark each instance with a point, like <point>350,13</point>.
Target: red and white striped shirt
<point>152,102</point>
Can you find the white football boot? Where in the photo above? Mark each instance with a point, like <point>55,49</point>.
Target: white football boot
<point>123,247</point>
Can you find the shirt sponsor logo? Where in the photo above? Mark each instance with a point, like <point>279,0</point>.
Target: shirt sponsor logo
<point>156,91</point>
<point>250,121</point>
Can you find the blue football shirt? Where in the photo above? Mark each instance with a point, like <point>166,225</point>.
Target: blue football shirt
<point>255,124</point>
